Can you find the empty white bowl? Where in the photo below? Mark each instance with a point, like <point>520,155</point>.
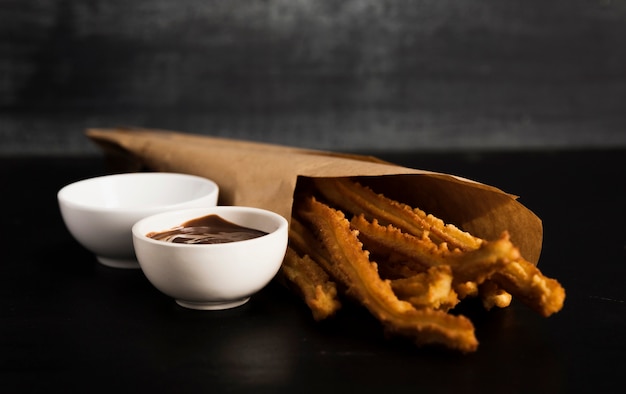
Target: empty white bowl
<point>100,212</point>
<point>212,276</point>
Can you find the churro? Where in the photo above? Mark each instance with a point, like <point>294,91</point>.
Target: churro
<point>360,277</point>
<point>408,268</point>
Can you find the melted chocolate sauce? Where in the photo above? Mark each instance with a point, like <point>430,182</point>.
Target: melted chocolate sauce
<point>210,229</point>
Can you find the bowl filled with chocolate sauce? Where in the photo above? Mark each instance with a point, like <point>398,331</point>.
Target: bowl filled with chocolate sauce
<point>211,258</point>
<point>100,212</point>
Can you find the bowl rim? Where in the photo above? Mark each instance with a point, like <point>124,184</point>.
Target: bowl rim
<point>63,199</point>
<point>196,212</point>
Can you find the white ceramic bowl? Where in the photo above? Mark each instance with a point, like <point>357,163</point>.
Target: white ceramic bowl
<point>212,276</point>
<point>100,212</point>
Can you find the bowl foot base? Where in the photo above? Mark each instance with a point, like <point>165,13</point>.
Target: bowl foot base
<point>212,306</point>
<point>118,263</point>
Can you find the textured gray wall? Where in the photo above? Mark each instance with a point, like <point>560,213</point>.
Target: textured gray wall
<point>348,75</point>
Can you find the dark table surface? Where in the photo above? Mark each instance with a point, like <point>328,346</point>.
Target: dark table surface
<point>71,324</point>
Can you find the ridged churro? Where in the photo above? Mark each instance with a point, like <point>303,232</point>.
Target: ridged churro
<point>408,268</point>
<point>360,277</point>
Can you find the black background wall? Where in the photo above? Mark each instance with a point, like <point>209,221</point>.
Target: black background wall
<point>348,75</point>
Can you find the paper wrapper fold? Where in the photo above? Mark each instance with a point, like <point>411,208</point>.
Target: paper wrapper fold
<point>265,176</point>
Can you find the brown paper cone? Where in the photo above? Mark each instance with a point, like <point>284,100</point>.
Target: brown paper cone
<point>265,176</point>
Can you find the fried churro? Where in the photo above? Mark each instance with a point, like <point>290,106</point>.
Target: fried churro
<point>357,199</point>
<point>408,268</point>
<point>429,289</point>
<point>498,261</point>
<point>313,283</point>
<point>360,277</point>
